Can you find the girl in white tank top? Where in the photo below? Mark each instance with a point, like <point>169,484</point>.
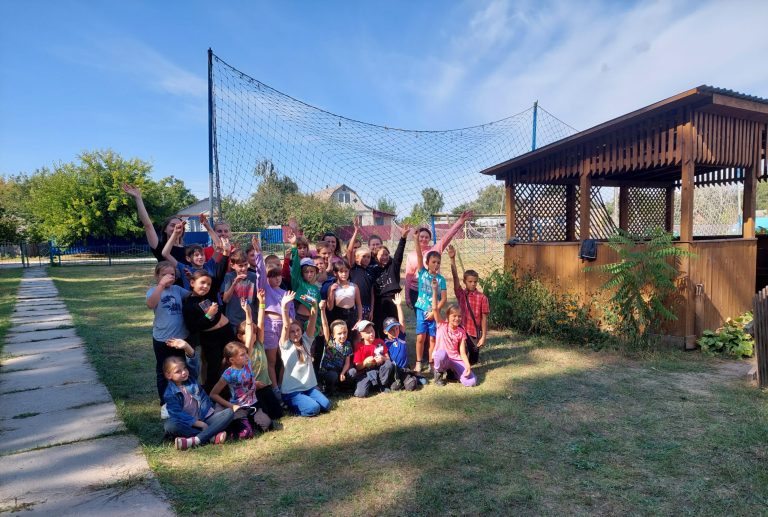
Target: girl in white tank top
<point>344,296</point>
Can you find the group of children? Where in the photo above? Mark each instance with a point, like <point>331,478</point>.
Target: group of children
<point>239,338</point>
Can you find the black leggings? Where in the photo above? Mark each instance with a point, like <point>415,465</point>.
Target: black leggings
<point>212,345</point>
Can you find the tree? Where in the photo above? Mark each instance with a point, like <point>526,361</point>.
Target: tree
<point>83,198</point>
<point>385,204</point>
<point>315,216</point>
<point>432,203</point>
<point>490,200</point>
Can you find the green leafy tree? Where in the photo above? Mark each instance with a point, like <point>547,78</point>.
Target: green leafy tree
<point>385,204</point>
<point>83,199</point>
<point>490,200</point>
<point>432,203</point>
<point>315,217</point>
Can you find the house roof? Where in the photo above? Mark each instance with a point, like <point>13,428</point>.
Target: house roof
<point>326,193</point>
<point>195,209</point>
<point>714,99</point>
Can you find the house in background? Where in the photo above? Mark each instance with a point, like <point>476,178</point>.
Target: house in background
<point>192,214</point>
<point>344,195</point>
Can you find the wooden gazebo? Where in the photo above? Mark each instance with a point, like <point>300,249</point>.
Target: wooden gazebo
<point>701,137</point>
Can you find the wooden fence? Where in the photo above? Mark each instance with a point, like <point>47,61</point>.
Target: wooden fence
<point>761,335</point>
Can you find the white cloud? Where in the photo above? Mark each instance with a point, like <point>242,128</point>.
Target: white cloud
<point>138,61</point>
<point>589,62</point>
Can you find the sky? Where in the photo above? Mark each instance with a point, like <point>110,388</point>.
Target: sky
<point>132,76</point>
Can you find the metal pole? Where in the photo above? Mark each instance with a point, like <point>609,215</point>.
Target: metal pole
<point>210,135</point>
<point>434,231</point>
<point>533,131</point>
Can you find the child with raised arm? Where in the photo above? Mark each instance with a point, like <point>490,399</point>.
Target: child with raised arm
<point>451,348</point>
<point>425,318</point>
<point>166,300</point>
<point>394,332</point>
<point>474,304</point>
<point>362,272</point>
<point>238,283</point>
<point>337,353</point>
<point>242,376</point>
<point>299,385</point>
<point>191,418</point>
<point>269,278</point>
<point>252,336</point>
<point>303,273</point>
<point>413,262</point>
<point>195,257</point>
<point>387,283</point>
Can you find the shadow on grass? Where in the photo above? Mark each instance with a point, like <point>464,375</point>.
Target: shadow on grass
<point>549,430</point>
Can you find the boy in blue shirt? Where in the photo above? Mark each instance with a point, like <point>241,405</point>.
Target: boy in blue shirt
<point>394,330</point>
<point>425,320</point>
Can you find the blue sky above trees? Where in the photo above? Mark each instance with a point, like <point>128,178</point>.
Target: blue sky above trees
<point>131,76</point>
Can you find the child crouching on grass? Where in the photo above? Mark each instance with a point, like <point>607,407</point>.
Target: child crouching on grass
<point>191,418</point>
<point>397,347</point>
<point>372,364</point>
<point>451,345</point>
<point>299,387</point>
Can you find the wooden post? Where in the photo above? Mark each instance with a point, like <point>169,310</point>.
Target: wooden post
<point>688,168</point>
<point>511,228</point>
<point>623,207</point>
<point>669,209</point>
<point>585,186</point>
<point>570,213</point>
<point>509,201</point>
<point>750,190</point>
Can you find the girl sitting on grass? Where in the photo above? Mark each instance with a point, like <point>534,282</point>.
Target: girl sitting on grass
<point>191,418</point>
<point>242,383</point>
<point>299,386</point>
<point>451,344</point>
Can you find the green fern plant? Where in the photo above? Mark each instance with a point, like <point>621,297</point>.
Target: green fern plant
<point>643,280</point>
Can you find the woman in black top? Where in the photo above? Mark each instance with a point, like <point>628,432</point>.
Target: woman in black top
<point>157,240</point>
<point>387,283</point>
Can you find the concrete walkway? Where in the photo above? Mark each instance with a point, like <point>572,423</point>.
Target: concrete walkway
<point>63,450</point>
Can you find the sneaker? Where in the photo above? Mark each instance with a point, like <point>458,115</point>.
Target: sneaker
<point>417,367</point>
<point>220,438</point>
<point>396,385</point>
<point>183,444</point>
<point>438,378</point>
<point>164,412</point>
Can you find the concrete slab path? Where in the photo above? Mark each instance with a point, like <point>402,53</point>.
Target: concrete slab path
<point>63,450</point>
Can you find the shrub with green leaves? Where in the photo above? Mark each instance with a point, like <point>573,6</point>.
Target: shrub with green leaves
<point>643,280</point>
<point>731,339</point>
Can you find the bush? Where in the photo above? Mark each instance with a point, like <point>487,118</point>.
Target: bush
<point>527,305</point>
<point>731,339</point>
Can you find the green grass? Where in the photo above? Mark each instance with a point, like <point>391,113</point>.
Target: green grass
<point>550,430</point>
<point>9,284</point>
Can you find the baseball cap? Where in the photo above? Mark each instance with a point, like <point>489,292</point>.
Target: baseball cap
<point>308,262</point>
<point>389,323</point>
<point>362,324</point>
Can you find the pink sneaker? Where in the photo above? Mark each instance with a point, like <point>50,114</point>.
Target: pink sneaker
<point>220,438</point>
<point>183,444</point>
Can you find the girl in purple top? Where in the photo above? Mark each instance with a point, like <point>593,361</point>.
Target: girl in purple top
<point>269,280</point>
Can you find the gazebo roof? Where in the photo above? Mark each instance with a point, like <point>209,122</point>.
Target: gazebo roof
<point>644,145</point>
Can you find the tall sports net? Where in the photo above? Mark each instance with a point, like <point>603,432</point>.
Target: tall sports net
<point>374,169</point>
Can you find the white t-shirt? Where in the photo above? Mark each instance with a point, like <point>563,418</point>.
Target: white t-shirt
<point>298,376</point>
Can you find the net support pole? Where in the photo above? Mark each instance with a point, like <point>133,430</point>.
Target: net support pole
<point>533,129</point>
<point>434,231</point>
<point>210,135</point>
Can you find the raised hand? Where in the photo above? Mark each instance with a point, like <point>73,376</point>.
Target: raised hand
<point>451,251</point>
<point>132,191</point>
<point>398,299</point>
<point>261,295</point>
<point>323,305</point>
<point>255,243</point>
<point>288,297</point>
<point>467,214</point>
<point>203,219</point>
